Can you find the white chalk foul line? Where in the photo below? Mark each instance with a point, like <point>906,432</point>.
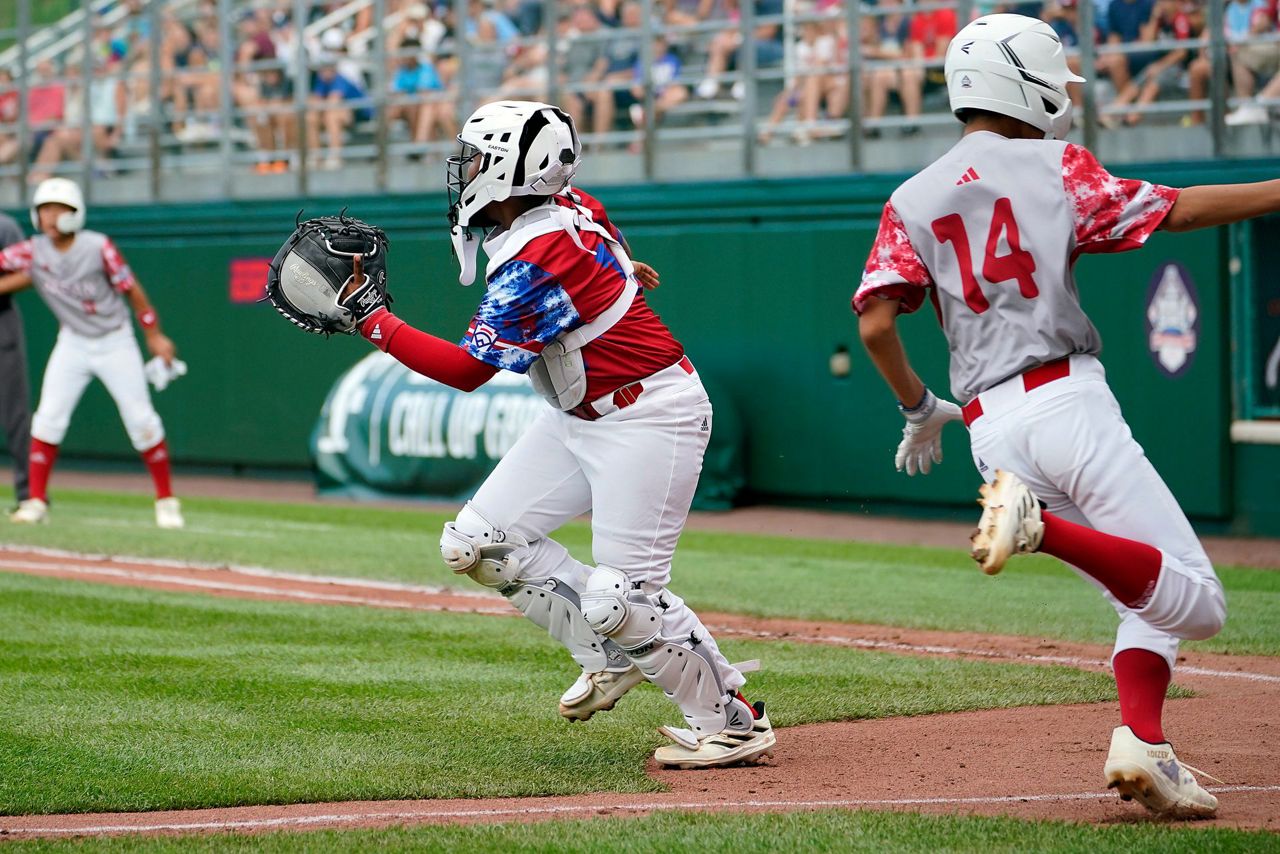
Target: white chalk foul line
<point>935,649</point>
<point>435,590</point>
<point>572,809</point>
<point>251,589</point>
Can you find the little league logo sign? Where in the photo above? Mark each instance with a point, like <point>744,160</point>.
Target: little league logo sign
<point>1173,319</point>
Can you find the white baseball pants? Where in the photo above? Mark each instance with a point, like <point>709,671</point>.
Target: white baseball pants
<point>1069,442</point>
<point>635,469</point>
<point>113,358</point>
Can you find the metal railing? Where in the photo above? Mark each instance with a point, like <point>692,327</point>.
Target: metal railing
<point>233,126</point>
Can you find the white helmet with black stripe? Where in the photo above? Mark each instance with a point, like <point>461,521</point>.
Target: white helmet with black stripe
<point>62,191</point>
<point>509,148</point>
<point>1014,66</point>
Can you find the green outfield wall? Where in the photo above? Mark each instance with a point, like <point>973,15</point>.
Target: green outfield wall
<point>757,278</point>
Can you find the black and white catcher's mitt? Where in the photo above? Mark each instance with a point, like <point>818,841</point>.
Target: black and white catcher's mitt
<point>330,275</point>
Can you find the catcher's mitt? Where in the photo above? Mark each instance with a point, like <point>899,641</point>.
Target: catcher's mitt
<point>330,275</point>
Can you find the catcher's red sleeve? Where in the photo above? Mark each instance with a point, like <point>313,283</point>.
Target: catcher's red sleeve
<point>424,353</point>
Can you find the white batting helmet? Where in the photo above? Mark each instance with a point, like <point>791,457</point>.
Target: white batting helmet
<point>517,148</point>
<point>62,191</point>
<point>1014,66</point>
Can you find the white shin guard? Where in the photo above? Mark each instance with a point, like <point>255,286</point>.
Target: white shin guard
<point>619,610</point>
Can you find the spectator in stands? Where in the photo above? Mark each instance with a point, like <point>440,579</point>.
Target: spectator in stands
<point>885,39</point>
<point>620,55</point>
<point>724,51</point>
<point>1170,19</point>
<point>1064,17</point>
<point>1128,22</point>
<point>255,89</point>
<point>582,60</point>
<point>416,77</point>
<point>276,125</point>
<point>929,34</point>
<point>8,117</point>
<point>1253,63</point>
<point>816,78</point>
<point>196,89</point>
<point>688,13</point>
<point>668,91</point>
<point>504,29</point>
<point>331,94</point>
<point>486,63</point>
<point>46,103</point>
<point>107,108</point>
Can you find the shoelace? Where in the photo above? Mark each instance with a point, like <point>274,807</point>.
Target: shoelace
<point>1202,773</point>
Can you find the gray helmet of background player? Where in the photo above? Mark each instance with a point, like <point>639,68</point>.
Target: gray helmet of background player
<point>62,191</point>
<point>509,148</point>
<point>1015,66</point>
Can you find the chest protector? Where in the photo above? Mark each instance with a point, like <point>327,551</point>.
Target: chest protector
<point>559,374</point>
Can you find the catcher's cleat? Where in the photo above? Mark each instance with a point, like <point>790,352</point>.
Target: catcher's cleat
<point>33,511</point>
<point>730,746</point>
<point>1010,522</point>
<point>1152,775</point>
<point>598,692</point>
<point>169,513</point>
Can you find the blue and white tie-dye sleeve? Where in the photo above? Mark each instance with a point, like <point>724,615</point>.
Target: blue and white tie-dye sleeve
<point>524,309</point>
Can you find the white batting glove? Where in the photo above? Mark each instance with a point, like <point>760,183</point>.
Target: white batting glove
<point>921,444</point>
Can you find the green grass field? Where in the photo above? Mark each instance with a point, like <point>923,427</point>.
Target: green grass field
<point>758,575</point>
<point>127,699</point>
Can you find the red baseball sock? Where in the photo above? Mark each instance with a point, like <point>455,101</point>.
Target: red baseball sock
<point>1142,678</point>
<point>40,463</point>
<point>157,460</point>
<point>1127,568</point>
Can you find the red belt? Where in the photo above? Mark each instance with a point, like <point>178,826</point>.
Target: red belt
<point>1033,378</point>
<point>625,396</point>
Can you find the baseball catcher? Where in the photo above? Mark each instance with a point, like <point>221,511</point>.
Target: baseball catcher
<point>624,435</point>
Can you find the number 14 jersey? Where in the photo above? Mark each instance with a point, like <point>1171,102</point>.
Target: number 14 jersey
<point>990,231</point>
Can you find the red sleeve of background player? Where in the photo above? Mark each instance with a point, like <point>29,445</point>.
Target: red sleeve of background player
<point>894,269</point>
<point>1111,214</point>
<point>118,272</point>
<point>16,258</point>
<point>424,353</point>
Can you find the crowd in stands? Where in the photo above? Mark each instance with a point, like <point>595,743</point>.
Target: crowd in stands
<point>443,58</point>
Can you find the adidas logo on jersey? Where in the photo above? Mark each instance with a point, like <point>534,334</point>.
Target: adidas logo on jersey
<point>971,175</point>
<point>376,334</point>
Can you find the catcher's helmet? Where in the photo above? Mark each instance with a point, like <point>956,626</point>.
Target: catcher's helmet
<point>61,191</point>
<point>509,148</point>
<point>1014,66</point>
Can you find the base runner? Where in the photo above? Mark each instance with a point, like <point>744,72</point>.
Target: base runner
<point>90,289</point>
<point>990,232</point>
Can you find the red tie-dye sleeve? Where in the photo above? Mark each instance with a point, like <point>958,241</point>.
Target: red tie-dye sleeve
<point>1111,214</point>
<point>16,258</point>
<point>118,272</point>
<point>894,269</point>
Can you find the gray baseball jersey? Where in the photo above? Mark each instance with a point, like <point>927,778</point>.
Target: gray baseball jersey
<point>991,231</point>
<point>81,286</point>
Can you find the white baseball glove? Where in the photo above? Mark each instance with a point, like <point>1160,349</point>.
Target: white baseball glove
<point>921,444</point>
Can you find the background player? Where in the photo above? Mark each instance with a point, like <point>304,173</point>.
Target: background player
<point>624,439</point>
<point>85,282</point>
<point>15,403</point>
<point>994,227</point>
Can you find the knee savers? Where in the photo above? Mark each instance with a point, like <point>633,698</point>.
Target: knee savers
<point>470,545</point>
<point>617,609</point>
